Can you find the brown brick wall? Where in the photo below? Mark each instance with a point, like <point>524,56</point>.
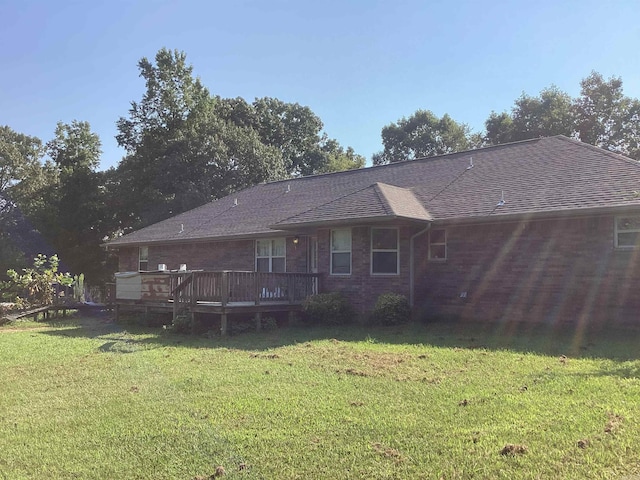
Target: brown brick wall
<point>230,255</point>
<point>362,288</point>
<point>546,271</point>
<point>543,271</point>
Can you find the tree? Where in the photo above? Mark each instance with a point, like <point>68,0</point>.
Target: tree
<point>180,152</point>
<point>602,115</point>
<point>423,134</point>
<point>337,159</point>
<point>186,147</point>
<point>34,286</point>
<point>550,113</point>
<point>19,157</point>
<point>78,225</point>
<point>294,130</point>
<point>606,117</point>
<point>22,179</point>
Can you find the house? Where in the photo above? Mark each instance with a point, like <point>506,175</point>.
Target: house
<point>543,230</point>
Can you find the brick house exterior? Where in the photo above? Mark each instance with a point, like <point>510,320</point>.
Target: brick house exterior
<point>546,230</point>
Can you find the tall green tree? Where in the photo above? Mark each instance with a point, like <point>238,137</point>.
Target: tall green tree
<point>606,117</point>
<point>602,115</point>
<point>22,179</point>
<point>180,153</point>
<point>423,134</point>
<point>550,113</point>
<point>294,130</point>
<point>78,226</point>
<point>19,157</point>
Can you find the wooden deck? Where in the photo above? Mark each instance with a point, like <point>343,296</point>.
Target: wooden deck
<point>216,292</point>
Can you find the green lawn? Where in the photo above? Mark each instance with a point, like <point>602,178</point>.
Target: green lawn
<point>85,400</point>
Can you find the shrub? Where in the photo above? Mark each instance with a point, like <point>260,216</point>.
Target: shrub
<point>182,324</point>
<point>269,323</point>
<point>391,309</point>
<point>327,309</point>
<point>34,285</point>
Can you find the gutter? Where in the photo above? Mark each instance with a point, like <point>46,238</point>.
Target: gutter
<point>412,267</point>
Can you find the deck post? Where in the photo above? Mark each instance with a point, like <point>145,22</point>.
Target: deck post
<point>176,301</point>
<point>117,312</point>
<point>290,288</point>
<point>223,324</point>
<point>225,292</point>
<point>258,321</point>
<point>256,287</point>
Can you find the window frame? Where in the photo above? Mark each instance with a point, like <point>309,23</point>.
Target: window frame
<point>617,231</point>
<point>332,251</point>
<point>143,258</point>
<point>430,256</point>
<point>271,256</point>
<point>384,250</point>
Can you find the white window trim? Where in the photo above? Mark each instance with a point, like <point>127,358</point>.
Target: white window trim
<point>140,258</point>
<point>382,250</point>
<point>446,248</point>
<point>617,231</point>
<point>332,251</point>
<point>270,256</point>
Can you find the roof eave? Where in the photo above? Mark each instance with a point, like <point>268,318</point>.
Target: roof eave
<point>347,221</point>
<point>174,241</point>
<point>542,215</point>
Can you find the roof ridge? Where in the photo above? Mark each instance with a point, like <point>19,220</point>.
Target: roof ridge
<point>610,153</point>
<point>405,162</point>
<point>382,198</point>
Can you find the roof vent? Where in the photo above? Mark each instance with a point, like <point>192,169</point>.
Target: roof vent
<point>288,188</point>
<point>502,201</point>
<point>235,202</point>
<point>470,163</point>
<point>181,228</point>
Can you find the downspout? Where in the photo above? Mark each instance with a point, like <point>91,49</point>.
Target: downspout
<point>412,267</point>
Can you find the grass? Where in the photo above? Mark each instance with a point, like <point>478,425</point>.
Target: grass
<point>87,399</point>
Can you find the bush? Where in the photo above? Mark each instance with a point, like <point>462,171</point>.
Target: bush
<point>327,309</point>
<point>391,309</point>
<point>182,324</point>
<point>34,285</point>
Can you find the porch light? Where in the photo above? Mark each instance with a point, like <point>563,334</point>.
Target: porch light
<point>296,240</point>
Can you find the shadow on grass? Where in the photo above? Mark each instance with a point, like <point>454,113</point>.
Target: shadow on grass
<point>552,340</point>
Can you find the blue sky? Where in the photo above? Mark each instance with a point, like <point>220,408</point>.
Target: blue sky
<point>359,65</point>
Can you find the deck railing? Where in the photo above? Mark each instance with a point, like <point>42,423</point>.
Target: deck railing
<point>227,287</point>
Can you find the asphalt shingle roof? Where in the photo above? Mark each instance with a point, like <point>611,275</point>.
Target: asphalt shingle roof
<point>542,176</point>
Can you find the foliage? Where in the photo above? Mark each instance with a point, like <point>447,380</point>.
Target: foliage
<point>19,157</point>
<point>418,402</point>
<point>186,147</point>
<point>182,324</point>
<point>423,134</point>
<point>34,285</point>
<point>269,324</point>
<point>602,115</point>
<point>294,131</point>
<point>606,117</point>
<point>180,152</point>
<point>80,221</point>
<point>391,309</point>
<point>327,309</point>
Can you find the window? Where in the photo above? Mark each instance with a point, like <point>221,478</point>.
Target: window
<point>384,251</point>
<point>143,259</point>
<point>627,233</point>
<point>341,251</point>
<point>270,255</point>
<point>438,244</point>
